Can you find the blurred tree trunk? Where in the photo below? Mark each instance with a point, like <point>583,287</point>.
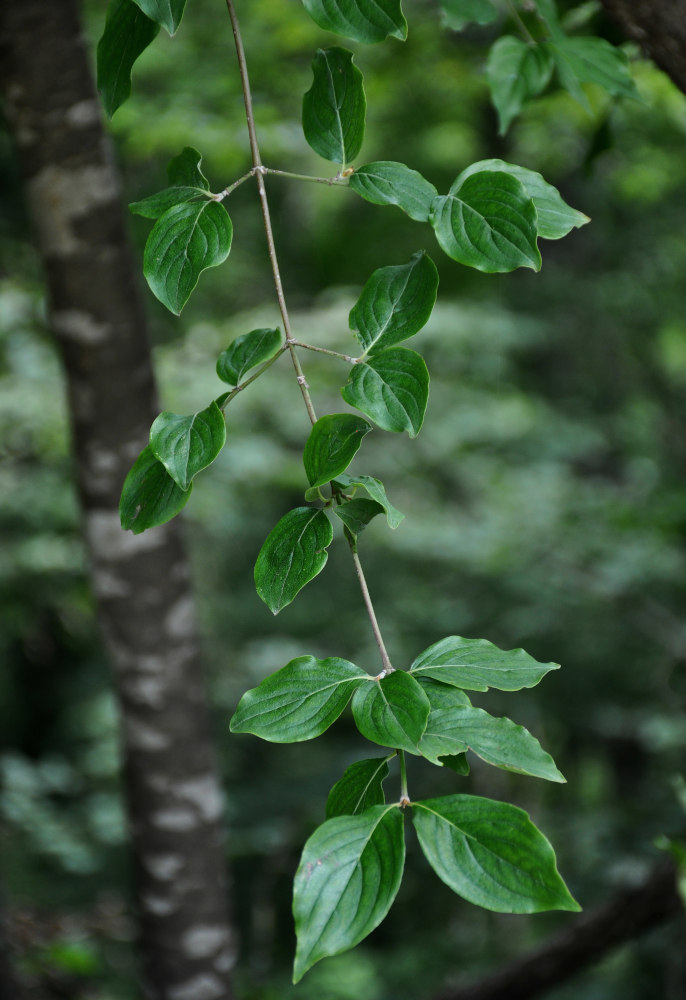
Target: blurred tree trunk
<point>141,583</point>
<point>659,27</point>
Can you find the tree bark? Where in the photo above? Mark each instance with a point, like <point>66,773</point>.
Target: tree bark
<point>659,27</point>
<point>141,582</point>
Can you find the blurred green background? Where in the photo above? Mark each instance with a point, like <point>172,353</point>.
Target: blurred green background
<point>545,504</point>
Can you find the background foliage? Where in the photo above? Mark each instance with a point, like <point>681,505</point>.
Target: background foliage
<point>545,504</point>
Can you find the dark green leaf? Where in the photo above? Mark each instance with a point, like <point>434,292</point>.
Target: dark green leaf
<point>334,107</point>
<point>298,702</point>
<point>592,60</point>
<point>361,20</point>
<point>395,303</point>
<point>555,217</point>
<point>476,664</point>
<point>168,13</point>
<point>185,241</point>
<point>360,788</point>
<point>392,711</point>
<point>390,183</point>
<point>348,877</point>
<point>149,496</point>
<point>488,222</point>
<point>128,32</point>
<point>332,445</point>
<point>184,170</point>
<point>157,204</point>
<point>516,71</point>
<point>293,553</point>
<point>457,763</point>
<point>457,13</point>
<point>356,514</point>
<point>376,491</point>
<point>247,351</point>
<point>392,388</point>
<point>187,445</point>
<point>188,183</point>
<point>491,854</point>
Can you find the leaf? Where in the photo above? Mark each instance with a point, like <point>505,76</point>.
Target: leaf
<point>491,854</point>
<point>392,388</point>
<point>443,701</point>
<point>392,711</point>
<point>376,491</point>
<point>184,170</point>
<point>356,514</point>
<point>360,788</point>
<point>395,303</point>
<point>555,217</point>
<point>149,496</point>
<point>168,13</point>
<point>457,13</point>
<point>298,702</point>
<point>476,664</point>
<point>592,60</point>
<point>516,71</point>
<point>128,32</point>
<point>361,20</point>
<point>246,352</point>
<point>457,763</point>
<point>185,241</point>
<point>388,183</point>
<point>333,442</point>
<point>334,107</point>
<point>294,552</point>
<point>187,445</point>
<point>348,877</point>
<point>188,183</point>
<point>488,222</point>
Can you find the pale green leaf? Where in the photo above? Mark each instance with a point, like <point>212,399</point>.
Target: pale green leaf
<point>246,352</point>
<point>491,854</point>
<point>360,788</point>
<point>592,60</point>
<point>128,32</point>
<point>376,491</point>
<point>188,444</point>
<point>298,702</point>
<point>392,388</point>
<point>476,664</point>
<point>334,107</point>
<point>516,71</point>
<point>348,877</point>
<point>458,13</point>
<point>361,20</point>
<point>168,13</point>
<point>149,496</point>
<point>392,711</point>
<point>388,183</point>
<point>332,445</point>
<point>293,553</point>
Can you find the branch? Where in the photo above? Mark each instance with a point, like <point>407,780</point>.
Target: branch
<point>631,912</point>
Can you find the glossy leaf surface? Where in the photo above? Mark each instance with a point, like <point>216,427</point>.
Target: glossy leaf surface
<point>360,788</point>
<point>149,496</point>
<point>333,442</point>
<point>491,854</point>
<point>187,444</point>
<point>477,664</point>
<point>128,32</point>
<point>392,711</point>
<point>246,352</point>
<point>389,183</point>
<point>375,489</point>
<point>293,553</point>
<point>334,107</point>
<point>516,71</point>
<point>298,702</point>
<point>392,388</point>
<point>361,20</point>
<point>348,877</point>
<point>168,13</point>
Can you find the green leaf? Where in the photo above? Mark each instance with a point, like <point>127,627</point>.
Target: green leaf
<point>555,217</point>
<point>188,183</point>
<point>185,241</point>
<point>457,13</point>
<point>246,352</point>
<point>443,701</point>
<point>488,222</point>
<point>168,13</point>
<point>592,60</point>
<point>392,711</point>
<point>361,20</point>
<point>333,442</point>
<point>516,71</point>
<point>348,877</point>
<point>457,763</point>
<point>395,303</point>
<point>491,854</point>
<point>149,496</point>
<point>128,32</point>
<point>334,107</point>
<point>356,514</point>
<point>476,664</point>
<point>294,552</point>
<point>360,788</point>
<point>388,183</point>
<point>184,170</point>
<point>392,388</point>
<point>298,702</point>
<point>376,491</point>
<point>187,445</point>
